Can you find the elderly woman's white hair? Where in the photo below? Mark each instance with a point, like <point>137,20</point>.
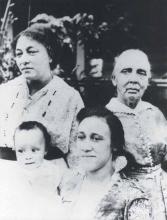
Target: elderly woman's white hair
<point>132,53</point>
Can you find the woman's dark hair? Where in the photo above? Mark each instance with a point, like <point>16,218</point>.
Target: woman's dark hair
<point>30,125</point>
<point>45,36</point>
<point>114,124</point>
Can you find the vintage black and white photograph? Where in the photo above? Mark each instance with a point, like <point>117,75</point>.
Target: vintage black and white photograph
<point>83,109</point>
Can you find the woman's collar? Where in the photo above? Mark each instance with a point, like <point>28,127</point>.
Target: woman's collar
<point>116,106</point>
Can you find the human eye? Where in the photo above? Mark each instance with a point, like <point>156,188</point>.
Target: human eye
<point>35,150</point>
<point>126,70</point>
<point>32,51</point>
<point>96,137</point>
<point>20,150</point>
<point>80,136</point>
<point>142,72</point>
<point>18,53</point>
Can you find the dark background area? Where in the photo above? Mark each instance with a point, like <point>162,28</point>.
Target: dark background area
<point>145,21</point>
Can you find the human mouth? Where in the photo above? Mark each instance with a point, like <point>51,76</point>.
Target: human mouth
<point>29,163</point>
<point>132,90</point>
<point>87,156</point>
<point>26,69</point>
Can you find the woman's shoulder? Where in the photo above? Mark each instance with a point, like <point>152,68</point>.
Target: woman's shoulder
<point>122,196</point>
<point>65,90</point>
<point>147,105</point>
<point>125,189</point>
<point>121,191</point>
<point>154,113</point>
<point>60,84</point>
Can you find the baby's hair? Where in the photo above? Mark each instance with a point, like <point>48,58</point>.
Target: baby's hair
<point>30,125</point>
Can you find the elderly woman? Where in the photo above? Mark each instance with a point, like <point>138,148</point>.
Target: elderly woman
<point>144,126</point>
<point>37,94</point>
<point>96,192</point>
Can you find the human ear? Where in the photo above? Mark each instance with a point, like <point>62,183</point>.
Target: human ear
<point>120,163</point>
<point>113,80</point>
<point>149,79</point>
<point>50,60</point>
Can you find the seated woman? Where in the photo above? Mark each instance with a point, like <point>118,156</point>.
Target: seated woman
<point>97,192</point>
<point>29,187</point>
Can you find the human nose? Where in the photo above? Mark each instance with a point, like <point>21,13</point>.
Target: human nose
<point>28,155</point>
<point>133,77</point>
<point>23,60</point>
<point>87,146</point>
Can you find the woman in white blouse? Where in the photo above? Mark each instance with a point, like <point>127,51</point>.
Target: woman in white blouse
<point>37,94</point>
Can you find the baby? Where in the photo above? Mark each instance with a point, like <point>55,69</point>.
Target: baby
<point>32,141</point>
<point>31,183</point>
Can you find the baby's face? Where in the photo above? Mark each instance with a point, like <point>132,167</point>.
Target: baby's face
<point>30,148</point>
